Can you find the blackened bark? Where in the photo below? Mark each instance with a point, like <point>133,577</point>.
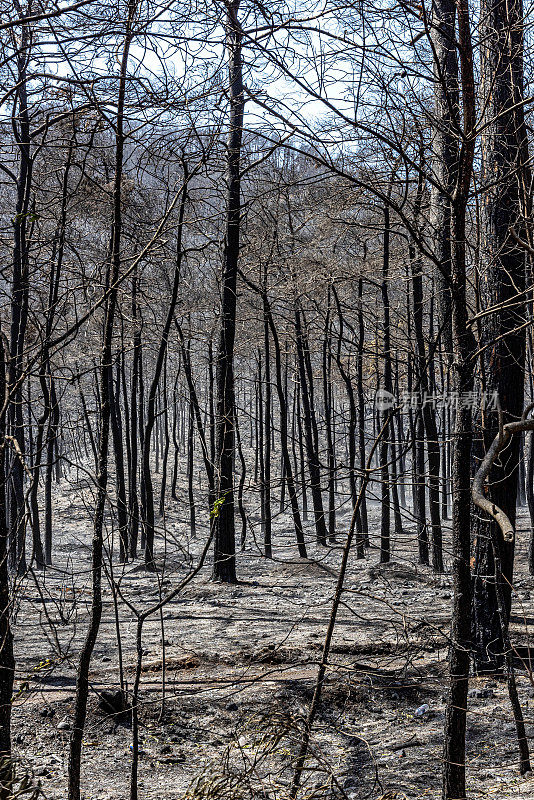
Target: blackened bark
<point>165,443</point>
<point>204,443</point>
<point>429,419</point>
<point>120,481</point>
<point>385,489</point>
<point>51,454</point>
<point>148,499</point>
<point>224,540</point>
<point>7,660</point>
<point>133,500</point>
<point>351,432</point>
<point>267,521</point>
<point>281,390</point>
<point>190,469</point>
<point>310,429</point>
<point>530,501</point>
<point>503,337</point>
<point>361,410</point>
<point>176,444</point>
<point>105,379</point>
<point>463,355</point>
<point>241,487</point>
<point>328,412</point>
<point>19,302</point>
<point>444,153</point>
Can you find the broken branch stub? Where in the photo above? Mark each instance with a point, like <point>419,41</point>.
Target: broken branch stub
<point>497,446</point>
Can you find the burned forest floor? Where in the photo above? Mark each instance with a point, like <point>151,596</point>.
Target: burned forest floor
<point>222,720</point>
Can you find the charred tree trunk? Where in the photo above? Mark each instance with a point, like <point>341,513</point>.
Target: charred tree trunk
<point>133,500</point>
<point>385,493</point>
<point>267,525</point>
<point>148,500</point>
<point>361,410</point>
<point>464,348</point>
<point>19,303</point>
<point>504,162</point>
<point>429,420</point>
<point>328,413</point>
<point>106,377</point>
<point>165,443</point>
<point>310,429</point>
<point>120,481</point>
<point>224,540</point>
<point>444,153</point>
<point>7,660</point>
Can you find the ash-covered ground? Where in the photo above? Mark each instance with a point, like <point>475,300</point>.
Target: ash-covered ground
<point>223,720</point>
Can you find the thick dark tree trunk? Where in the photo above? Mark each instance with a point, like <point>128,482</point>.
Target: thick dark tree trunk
<point>463,354</point>
<point>504,161</point>
<point>19,305</point>
<point>444,153</point>
<point>224,540</point>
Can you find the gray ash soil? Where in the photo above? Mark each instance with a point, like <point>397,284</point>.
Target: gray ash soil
<point>240,666</point>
